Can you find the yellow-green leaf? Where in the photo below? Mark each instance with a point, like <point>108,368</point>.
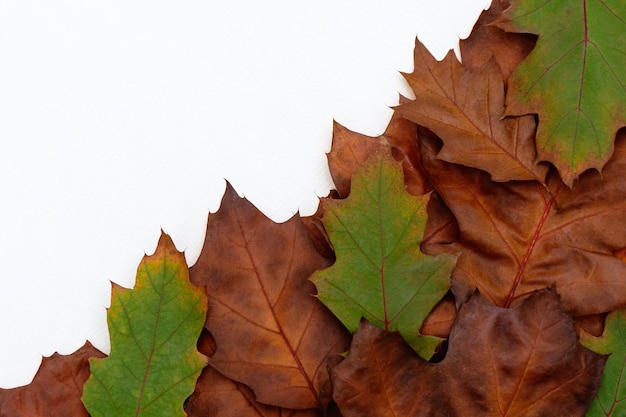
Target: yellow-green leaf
<point>154,363</point>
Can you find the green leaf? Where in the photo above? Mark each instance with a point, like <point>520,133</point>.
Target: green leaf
<point>610,398</point>
<point>380,273</point>
<point>575,79</point>
<point>154,363</point>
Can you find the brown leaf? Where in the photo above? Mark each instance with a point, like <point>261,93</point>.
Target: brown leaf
<point>271,333</point>
<point>318,234</point>
<point>593,324</point>
<point>466,110</point>
<point>487,41</point>
<point>442,230</point>
<point>350,149</point>
<point>219,396</point>
<point>518,362</point>
<point>519,236</point>
<point>402,137</point>
<point>439,322</point>
<point>55,390</point>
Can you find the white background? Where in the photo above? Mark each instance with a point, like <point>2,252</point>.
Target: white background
<point>119,118</point>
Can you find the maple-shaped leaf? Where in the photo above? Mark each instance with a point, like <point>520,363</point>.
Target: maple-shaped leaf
<point>56,388</point>
<point>271,333</point>
<point>154,327</point>
<point>380,272</point>
<point>515,362</point>
<point>350,149</point>
<point>574,79</point>
<point>611,398</point>
<point>518,237</point>
<point>488,41</point>
<point>466,110</point>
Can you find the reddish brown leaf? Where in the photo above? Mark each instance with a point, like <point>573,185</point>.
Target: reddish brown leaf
<point>218,396</point>
<point>271,333</point>
<point>55,390</point>
<point>593,324</point>
<point>519,236</point>
<point>318,234</point>
<point>351,149</point>
<point>518,362</point>
<point>487,41</point>
<point>466,110</point>
<point>621,254</point>
<point>439,322</point>
<point>442,230</point>
<point>402,137</point>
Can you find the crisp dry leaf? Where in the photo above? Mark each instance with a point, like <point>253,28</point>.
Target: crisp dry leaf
<point>271,333</point>
<point>219,396</point>
<point>440,320</point>
<point>56,388</point>
<point>401,134</point>
<point>380,272</point>
<point>350,149</point>
<point>466,110</point>
<point>487,41</point>
<point>574,78</point>
<point>442,230</point>
<point>611,398</point>
<point>515,362</point>
<point>154,363</point>
<point>521,236</point>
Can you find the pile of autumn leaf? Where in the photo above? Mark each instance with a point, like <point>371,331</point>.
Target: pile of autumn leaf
<point>468,263</point>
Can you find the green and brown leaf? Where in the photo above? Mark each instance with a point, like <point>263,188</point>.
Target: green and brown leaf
<point>154,363</point>
<point>380,273</point>
<point>574,79</point>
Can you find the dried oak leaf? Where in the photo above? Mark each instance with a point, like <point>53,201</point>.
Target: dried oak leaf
<point>466,110</point>
<point>487,41</point>
<point>271,333</point>
<point>439,322</point>
<point>350,149</point>
<point>517,362</point>
<point>517,237</point>
<point>56,388</point>
<point>219,396</point>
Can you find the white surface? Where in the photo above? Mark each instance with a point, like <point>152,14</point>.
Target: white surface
<point>118,118</point>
